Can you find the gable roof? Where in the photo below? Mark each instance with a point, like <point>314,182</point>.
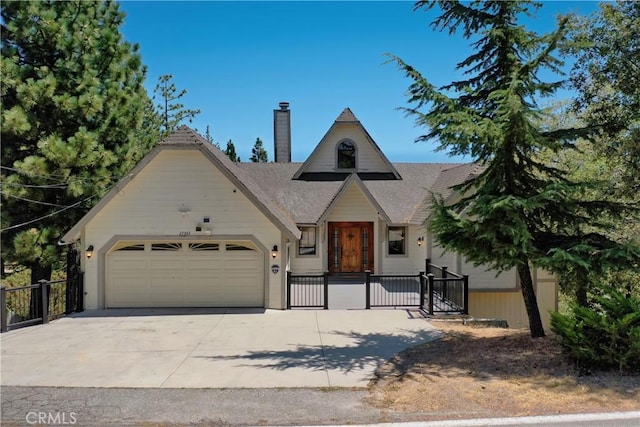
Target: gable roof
<point>347,116</point>
<point>353,179</point>
<point>186,138</point>
<point>307,201</point>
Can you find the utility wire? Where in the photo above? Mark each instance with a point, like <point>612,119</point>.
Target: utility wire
<point>48,215</point>
<point>33,201</point>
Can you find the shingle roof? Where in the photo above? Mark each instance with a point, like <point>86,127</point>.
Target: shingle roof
<point>401,199</point>
<point>347,116</point>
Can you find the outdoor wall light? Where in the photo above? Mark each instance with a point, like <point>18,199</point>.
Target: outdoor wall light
<point>274,251</point>
<point>89,252</point>
<point>420,241</point>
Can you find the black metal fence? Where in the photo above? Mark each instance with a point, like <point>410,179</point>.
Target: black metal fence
<point>394,290</point>
<point>447,292</point>
<point>308,291</point>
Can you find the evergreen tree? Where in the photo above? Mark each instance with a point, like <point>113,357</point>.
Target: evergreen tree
<point>75,117</point>
<point>517,212</point>
<point>230,151</point>
<point>209,137</point>
<point>172,111</point>
<point>258,153</point>
<point>606,77</point>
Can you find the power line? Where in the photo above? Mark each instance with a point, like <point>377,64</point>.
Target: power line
<point>48,215</point>
<point>59,179</point>
<point>33,201</point>
<point>51,186</point>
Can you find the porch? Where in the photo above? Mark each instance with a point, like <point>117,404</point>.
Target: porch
<point>435,290</point>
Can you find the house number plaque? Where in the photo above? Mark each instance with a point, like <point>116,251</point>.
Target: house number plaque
<point>275,268</point>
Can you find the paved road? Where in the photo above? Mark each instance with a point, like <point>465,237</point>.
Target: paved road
<point>94,407</point>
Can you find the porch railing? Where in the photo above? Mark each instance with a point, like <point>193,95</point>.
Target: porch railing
<point>307,291</point>
<point>394,290</point>
<point>447,292</point>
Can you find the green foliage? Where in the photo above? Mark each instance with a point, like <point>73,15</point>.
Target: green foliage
<point>603,336</point>
<point>172,112</point>
<point>514,211</point>
<point>230,151</point>
<point>209,137</point>
<point>18,302</point>
<point>258,153</point>
<point>605,76</point>
<point>75,118</point>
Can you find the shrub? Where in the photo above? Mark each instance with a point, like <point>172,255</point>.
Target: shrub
<point>603,336</point>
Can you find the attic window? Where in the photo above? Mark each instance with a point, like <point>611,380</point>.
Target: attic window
<point>346,155</point>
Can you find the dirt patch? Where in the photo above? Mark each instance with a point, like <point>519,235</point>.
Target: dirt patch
<point>495,372</point>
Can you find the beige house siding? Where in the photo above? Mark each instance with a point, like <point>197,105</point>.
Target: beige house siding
<point>311,264</point>
<point>484,278</point>
<point>147,206</point>
<point>509,305</point>
<point>414,259</point>
<point>368,159</point>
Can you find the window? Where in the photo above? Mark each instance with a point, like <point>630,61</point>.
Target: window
<point>307,244</point>
<point>396,239</point>
<point>138,247</point>
<point>166,246</point>
<point>346,155</point>
<point>204,246</point>
<point>237,247</point>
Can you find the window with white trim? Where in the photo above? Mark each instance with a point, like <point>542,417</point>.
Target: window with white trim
<point>396,240</point>
<point>307,243</point>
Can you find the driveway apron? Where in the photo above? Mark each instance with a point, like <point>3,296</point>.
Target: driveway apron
<point>210,348</point>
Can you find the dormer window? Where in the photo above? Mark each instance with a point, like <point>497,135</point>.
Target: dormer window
<point>346,155</point>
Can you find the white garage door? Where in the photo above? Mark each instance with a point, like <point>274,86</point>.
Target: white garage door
<point>185,274</point>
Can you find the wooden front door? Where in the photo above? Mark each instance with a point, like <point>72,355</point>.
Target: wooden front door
<point>350,247</point>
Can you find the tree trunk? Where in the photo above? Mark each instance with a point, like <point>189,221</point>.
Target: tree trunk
<point>581,288</point>
<point>530,301</point>
<point>38,272</point>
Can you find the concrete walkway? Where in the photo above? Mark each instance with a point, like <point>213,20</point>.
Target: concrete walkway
<point>208,348</point>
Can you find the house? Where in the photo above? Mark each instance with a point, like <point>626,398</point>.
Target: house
<point>188,227</point>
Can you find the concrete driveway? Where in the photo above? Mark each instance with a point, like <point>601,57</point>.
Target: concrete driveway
<point>208,348</point>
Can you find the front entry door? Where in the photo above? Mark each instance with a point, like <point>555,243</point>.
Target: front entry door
<point>350,247</point>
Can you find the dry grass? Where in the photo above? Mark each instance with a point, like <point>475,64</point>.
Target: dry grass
<point>480,372</point>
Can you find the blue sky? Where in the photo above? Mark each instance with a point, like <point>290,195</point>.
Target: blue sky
<point>238,60</point>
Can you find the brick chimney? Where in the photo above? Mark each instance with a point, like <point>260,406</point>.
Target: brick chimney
<point>282,134</point>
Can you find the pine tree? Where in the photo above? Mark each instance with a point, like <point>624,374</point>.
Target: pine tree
<point>173,112</point>
<point>209,137</point>
<point>258,153</point>
<point>75,117</point>
<point>230,151</point>
<point>517,212</point>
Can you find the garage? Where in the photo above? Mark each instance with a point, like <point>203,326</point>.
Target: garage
<point>185,274</point>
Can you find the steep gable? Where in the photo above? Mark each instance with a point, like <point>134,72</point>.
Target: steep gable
<point>369,159</point>
<point>186,139</point>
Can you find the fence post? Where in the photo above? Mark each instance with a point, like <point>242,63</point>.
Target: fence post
<point>80,302</point>
<point>445,283</point>
<point>45,300</point>
<point>3,307</point>
<point>465,281</point>
<point>427,265</point>
<point>430,276</point>
<point>367,289</point>
<point>288,290</point>
<point>422,289</point>
<point>326,290</point>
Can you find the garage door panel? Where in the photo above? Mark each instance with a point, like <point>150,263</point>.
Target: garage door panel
<point>185,278</point>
